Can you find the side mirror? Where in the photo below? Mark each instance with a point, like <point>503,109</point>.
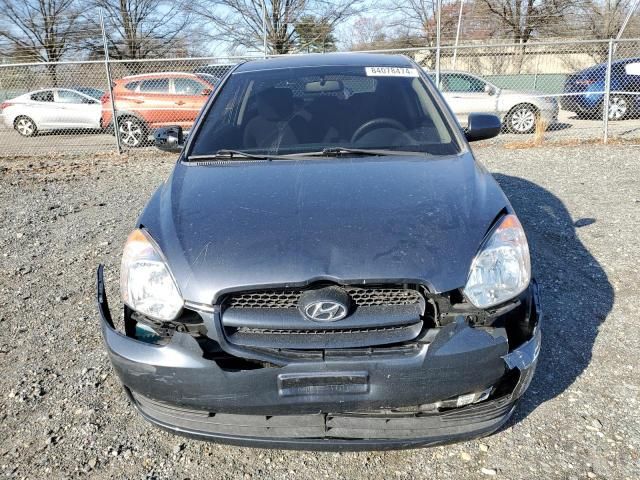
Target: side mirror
<point>489,89</point>
<point>482,126</point>
<point>169,139</point>
<point>206,92</point>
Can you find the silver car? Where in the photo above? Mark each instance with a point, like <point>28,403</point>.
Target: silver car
<point>466,93</point>
<point>51,109</point>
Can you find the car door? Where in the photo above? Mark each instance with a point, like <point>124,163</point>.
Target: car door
<point>189,97</point>
<point>155,103</point>
<point>42,109</point>
<point>77,110</point>
<point>466,94</point>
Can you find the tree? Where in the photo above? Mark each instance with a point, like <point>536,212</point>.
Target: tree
<point>140,28</point>
<point>523,19</point>
<point>603,20</point>
<point>314,35</point>
<point>367,33</point>
<point>417,18</point>
<point>239,23</point>
<point>38,29</point>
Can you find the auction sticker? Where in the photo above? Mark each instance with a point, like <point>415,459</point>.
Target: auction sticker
<point>632,68</point>
<point>390,72</point>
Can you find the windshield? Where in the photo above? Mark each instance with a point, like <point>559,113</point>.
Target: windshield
<point>298,110</point>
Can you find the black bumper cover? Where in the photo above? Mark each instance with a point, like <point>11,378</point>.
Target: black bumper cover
<point>174,387</point>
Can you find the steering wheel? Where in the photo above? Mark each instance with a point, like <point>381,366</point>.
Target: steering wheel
<point>376,122</point>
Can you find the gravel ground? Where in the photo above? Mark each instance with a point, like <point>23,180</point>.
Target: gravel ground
<point>64,415</point>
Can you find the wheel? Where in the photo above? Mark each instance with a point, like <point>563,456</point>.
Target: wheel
<point>132,132</point>
<point>619,107</point>
<point>522,119</point>
<point>25,126</point>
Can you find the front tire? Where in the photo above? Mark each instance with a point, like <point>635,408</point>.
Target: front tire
<point>25,126</point>
<point>132,132</point>
<point>619,107</point>
<point>522,119</point>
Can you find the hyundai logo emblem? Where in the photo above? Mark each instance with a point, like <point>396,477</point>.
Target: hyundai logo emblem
<point>325,311</point>
<point>325,305</point>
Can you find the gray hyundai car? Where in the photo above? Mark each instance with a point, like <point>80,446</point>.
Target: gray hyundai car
<point>326,267</point>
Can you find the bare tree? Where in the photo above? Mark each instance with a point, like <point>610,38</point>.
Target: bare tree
<point>523,19</point>
<point>603,19</point>
<point>238,23</point>
<point>366,33</point>
<point>141,28</point>
<point>39,30</point>
<point>417,16</point>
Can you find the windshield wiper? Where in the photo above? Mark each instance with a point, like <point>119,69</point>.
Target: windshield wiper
<point>226,154</point>
<point>239,155</point>
<point>339,151</point>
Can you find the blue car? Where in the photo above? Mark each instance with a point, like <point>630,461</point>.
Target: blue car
<point>583,91</point>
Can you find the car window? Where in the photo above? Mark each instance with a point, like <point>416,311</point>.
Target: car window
<point>132,86</point>
<point>66,96</point>
<point>45,96</point>
<point>212,79</point>
<point>92,92</point>
<point>307,109</point>
<point>456,82</point>
<point>155,85</point>
<point>187,86</point>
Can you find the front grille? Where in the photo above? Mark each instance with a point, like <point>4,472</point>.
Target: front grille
<point>361,297</point>
<point>324,331</point>
<point>378,315</point>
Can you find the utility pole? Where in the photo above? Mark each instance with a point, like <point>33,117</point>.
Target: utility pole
<point>264,29</point>
<point>114,118</point>
<point>438,17</point>
<point>455,50</point>
<point>627,18</point>
<point>607,93</point>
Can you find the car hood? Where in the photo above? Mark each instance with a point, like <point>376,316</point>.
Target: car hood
<point>240,225</point>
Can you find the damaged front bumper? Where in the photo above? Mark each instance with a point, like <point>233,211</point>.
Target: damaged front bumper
<point>378,400</point>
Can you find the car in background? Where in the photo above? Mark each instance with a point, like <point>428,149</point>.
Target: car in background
<point>148,101</point>
<point>51,109</point>
<point>584,90</point>
<point>519,111</point>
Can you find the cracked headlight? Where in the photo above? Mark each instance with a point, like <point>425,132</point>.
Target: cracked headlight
<point>146,284</point>
<point>502,268</point>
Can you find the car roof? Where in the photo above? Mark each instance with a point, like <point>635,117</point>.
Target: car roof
<point>53,89</point>
<point>142,76</point>
<point>347,59</point>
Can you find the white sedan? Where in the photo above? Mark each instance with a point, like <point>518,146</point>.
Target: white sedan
<point>51,109</point>
<point>466,93</point>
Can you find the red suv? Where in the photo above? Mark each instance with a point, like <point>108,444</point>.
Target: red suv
<point>148,101</point>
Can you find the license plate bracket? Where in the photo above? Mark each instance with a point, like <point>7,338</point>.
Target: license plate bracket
<point>322,383</point>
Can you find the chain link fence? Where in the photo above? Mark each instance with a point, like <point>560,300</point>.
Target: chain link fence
<point>68,107</point>
<point>555,91</point>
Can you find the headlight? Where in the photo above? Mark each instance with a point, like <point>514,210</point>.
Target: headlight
<point>502,268</point>
<point>146,284</point>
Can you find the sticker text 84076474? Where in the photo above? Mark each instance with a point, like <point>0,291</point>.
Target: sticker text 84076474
<point>391,72</point>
